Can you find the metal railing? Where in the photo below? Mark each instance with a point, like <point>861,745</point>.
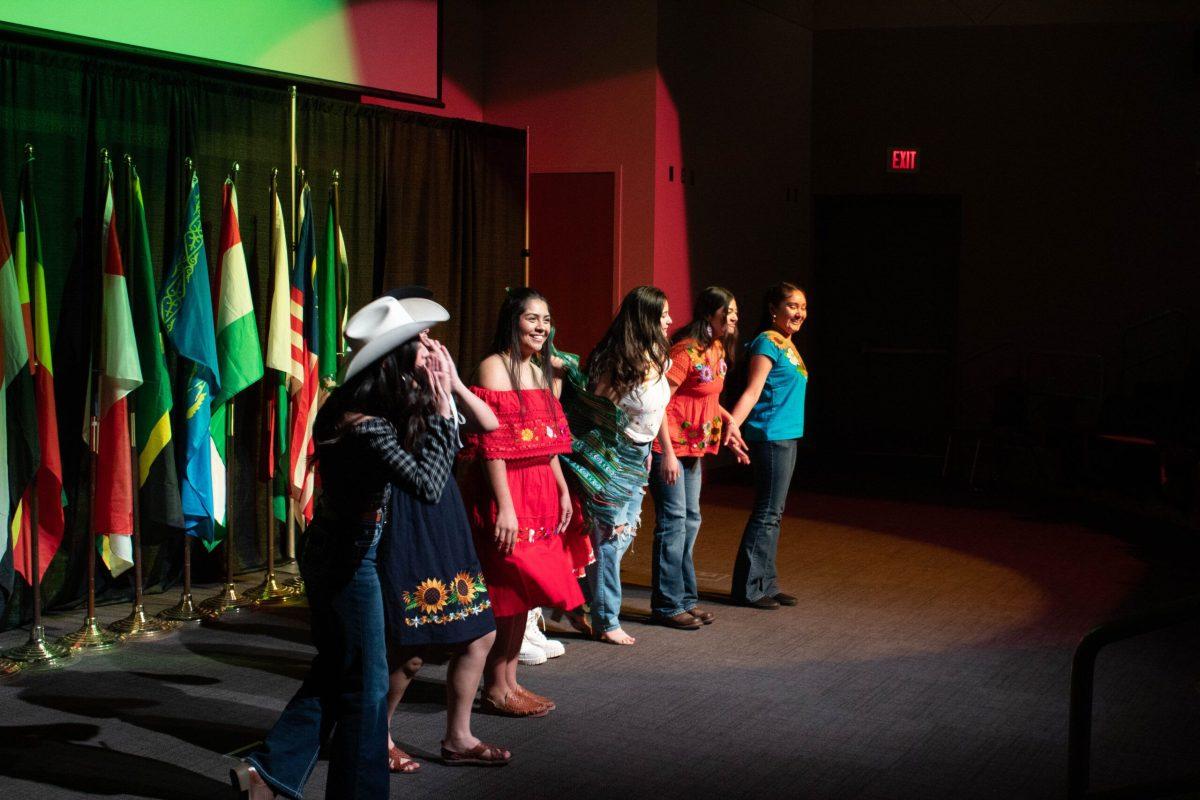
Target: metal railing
<point>1083,674</point>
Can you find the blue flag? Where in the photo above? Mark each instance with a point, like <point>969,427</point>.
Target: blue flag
<point>185,305</point>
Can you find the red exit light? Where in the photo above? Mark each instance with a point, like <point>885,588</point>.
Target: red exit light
<point>903,159</point>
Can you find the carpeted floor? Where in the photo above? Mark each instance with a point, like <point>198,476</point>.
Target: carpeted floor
<point>929,658</point>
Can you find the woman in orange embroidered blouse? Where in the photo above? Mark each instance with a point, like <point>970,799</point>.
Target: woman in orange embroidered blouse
<point>518,501</point>
<point>695,426</point>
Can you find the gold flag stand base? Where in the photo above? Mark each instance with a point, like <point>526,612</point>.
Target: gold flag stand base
<point>224,602</point>
<point>90,638</point>
<point>8,668</point>
<point>271,591</point>
<point>138,627</point>
<point>296,584</point>
<point>38,652</point>
<point>183,611</point>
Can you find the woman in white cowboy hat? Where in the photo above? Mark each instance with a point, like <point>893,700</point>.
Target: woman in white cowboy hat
<point>389,428</point>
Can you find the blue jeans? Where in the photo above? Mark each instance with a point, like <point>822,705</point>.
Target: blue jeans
<point>676,523</point>
<point>754,574</point>
<point>608,547</point>
<point>344,695</point>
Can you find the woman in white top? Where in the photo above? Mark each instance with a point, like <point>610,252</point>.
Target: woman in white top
<point>629,368</point>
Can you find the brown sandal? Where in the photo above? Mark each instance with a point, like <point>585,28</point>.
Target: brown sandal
<point>541,700</point>
<point>514,704</point>
<point>481,755</point>
<point>401,762</point>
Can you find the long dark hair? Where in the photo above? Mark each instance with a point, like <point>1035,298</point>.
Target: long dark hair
<point>507,339</point>
<point>774,296</point>
<point>391,388</point>
<point>633,345</point>
<point>710,300</point>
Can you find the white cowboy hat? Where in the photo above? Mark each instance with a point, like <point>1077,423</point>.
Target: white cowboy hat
<point>386,323</point>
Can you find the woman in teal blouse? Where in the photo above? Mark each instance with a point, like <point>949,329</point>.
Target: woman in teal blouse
<point>770,413</point>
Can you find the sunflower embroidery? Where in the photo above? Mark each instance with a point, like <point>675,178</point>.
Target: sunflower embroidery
<point>526,435</point>
<point>464,588</point>
<point>431,596</point>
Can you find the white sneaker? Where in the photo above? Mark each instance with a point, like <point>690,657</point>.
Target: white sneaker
<point>533,634</point>
<point>530,654</point>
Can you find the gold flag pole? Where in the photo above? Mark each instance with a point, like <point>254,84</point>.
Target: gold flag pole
<point>137,625</point>
<point>270,591</point>
<point>290,542</point>
<point>37,651</point>
<point>185,609</point>
<point>91,636</point>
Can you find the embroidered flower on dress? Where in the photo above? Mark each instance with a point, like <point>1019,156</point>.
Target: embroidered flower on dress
<point>526,435</point>
<point>550,434</point>
<point>464,587</point>
<point>431,595</point>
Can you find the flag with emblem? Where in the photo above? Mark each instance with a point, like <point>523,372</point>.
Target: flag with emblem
<point>185,308</point>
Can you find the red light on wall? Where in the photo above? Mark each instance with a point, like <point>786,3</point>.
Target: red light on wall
<point>903,159</point>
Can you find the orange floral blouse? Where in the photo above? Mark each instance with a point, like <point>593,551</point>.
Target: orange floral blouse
<point>693,416</point>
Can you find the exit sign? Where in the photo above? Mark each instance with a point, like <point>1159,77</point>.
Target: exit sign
<point>903,159</point>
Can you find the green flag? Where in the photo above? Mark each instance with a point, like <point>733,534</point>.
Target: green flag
<point>239,355</point>
<point>333,288</point>
<point>152,403</point>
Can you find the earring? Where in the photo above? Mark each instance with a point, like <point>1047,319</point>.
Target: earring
<point>708,331</point>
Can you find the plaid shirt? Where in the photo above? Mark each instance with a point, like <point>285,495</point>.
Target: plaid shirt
<point>423,473</point>
<point>356,470</point>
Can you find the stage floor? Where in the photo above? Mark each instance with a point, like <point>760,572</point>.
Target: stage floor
<point>929,658</point>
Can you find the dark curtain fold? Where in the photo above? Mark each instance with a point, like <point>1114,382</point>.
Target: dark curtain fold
<point>423,200</point>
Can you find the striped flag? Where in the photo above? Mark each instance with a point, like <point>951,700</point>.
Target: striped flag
<point>119,374</point>
<point>303,382</point>
<point>333,281</point>
<point>18,423</point>
<point>152,403</point>
<point>239,354</point>
<point>185,306</point>
<point>31,287</point>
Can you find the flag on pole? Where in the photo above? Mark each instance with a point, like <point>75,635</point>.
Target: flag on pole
<point>152,403</point>
<point>239,355</point>
<point>185,306</point>
<point>333,283</point>
<point>303,382</point>
<point>119,374</point>
<point>31,287</point>
<point>279,361</point>
<point>18,421</point>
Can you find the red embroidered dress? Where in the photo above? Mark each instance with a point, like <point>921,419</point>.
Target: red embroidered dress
<point>693,417</point>
<point>541,569</point>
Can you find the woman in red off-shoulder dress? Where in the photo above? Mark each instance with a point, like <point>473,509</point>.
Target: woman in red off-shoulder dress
<point>517,498</point>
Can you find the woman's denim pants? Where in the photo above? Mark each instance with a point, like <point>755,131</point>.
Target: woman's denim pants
<point>754,574</point>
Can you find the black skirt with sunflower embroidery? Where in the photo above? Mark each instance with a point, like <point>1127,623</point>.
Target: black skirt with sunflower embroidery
<point>433,589</point>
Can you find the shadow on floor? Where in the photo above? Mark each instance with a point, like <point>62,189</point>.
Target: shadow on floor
<point>56,755</point>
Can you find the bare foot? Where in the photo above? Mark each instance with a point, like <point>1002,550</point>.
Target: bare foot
<point>617,636</point>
